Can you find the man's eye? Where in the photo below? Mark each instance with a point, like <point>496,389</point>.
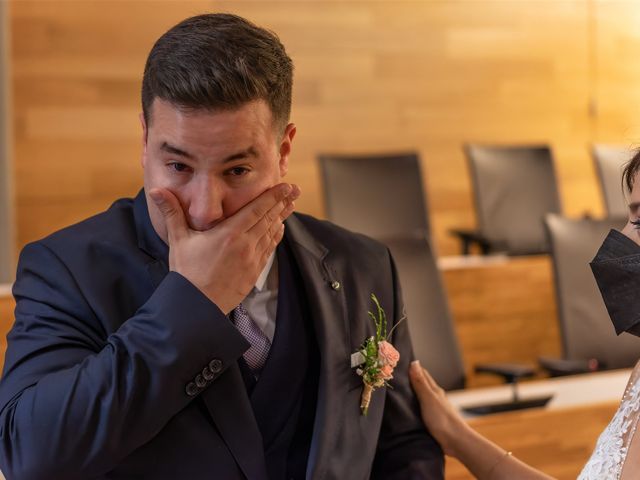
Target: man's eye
<point>178,167</point>
<point>238,171</point>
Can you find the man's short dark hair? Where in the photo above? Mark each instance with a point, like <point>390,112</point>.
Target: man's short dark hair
<point>218,62</point>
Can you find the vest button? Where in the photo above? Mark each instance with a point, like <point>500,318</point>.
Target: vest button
<point>335,285</point>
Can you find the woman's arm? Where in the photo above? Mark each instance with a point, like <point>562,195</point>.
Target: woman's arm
<point>484,459</point>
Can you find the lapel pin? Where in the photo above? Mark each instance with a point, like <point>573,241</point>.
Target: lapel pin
<point>335,285</point>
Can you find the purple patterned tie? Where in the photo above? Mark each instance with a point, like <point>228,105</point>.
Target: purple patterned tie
<point>257,354</point>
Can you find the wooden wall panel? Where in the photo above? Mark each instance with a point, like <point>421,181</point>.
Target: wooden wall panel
<point>616,96</point>
<point>370,76</point>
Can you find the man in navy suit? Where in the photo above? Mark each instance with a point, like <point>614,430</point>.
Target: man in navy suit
<point>202,330</point>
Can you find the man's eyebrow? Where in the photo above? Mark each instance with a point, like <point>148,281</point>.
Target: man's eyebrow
<point>249,152</point>
<point>175,150</point>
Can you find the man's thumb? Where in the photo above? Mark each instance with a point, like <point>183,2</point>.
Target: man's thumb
<point>171,211</point>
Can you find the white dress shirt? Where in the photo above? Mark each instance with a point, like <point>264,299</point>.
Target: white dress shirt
<point>262,301</point>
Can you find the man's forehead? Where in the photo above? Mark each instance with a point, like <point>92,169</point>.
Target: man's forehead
<point>258,108</point>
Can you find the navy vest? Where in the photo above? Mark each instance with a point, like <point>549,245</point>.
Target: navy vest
<point>284,397</point>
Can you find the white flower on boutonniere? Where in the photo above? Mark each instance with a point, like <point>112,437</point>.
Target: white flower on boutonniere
<point>376,358</point>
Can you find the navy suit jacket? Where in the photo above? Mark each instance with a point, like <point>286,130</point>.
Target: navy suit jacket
<point>118,368</point>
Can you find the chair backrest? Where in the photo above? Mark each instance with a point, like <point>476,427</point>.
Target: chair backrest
<point>434,338</point>
<point>610,162</point>
<point>378,195</point>
<point>514,188</point>
<point>585,327</point>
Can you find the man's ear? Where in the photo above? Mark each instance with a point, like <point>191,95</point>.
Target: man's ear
<point>143,123</point>
<point>285,148</point>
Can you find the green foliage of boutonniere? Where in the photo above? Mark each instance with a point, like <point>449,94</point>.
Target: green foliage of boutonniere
<point>376,358</point>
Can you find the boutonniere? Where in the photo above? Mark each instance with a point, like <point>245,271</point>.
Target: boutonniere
<point>376,358</point>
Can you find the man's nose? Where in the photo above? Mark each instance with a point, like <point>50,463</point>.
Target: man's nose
<point>205,207</point>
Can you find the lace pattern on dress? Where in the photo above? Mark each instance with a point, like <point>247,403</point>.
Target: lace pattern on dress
<point>608,457</point>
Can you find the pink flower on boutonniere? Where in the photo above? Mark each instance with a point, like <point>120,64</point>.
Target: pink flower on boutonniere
<point>388,358</point>
<point>386,372</point>
<point>388,354</point>
<point>377,358</point>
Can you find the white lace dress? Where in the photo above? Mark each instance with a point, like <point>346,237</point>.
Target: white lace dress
<point>608,458</point>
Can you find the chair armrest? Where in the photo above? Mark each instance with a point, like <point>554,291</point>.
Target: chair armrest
<point>470,237</point>
<point>511,372</point>
<point>558,367</point>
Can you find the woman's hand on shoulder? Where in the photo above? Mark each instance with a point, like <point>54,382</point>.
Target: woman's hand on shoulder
<point>440,417</point>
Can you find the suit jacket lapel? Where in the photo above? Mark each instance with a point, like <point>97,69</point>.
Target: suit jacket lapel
<point>323,286</point>
<point>226,399</point>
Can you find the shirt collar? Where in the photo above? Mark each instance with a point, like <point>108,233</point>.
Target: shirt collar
<point>262,278</point>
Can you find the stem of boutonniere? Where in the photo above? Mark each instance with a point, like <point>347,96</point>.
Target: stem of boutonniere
<point>380,320</point>
<point>366,398</point>
<point>402,319</point>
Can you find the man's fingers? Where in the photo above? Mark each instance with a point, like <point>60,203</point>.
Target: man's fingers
<point>289,202</point>
<point>270,239</point>
<point>289,207</point>
<point>275,215</point>
<point>271,242</point>
<point>273,218</point>
<point>255,211</point>
<point>283,209</point>
<point>172,213</point>
<point>267,245</point>
<point>265,208</point>
<point>295,192</point>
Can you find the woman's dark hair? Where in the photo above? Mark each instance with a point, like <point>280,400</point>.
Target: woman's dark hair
<point>630,171</point>
<point>218,61</point>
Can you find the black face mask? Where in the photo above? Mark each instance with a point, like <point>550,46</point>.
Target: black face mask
<point>616,268</point>
<point>634,330</point>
